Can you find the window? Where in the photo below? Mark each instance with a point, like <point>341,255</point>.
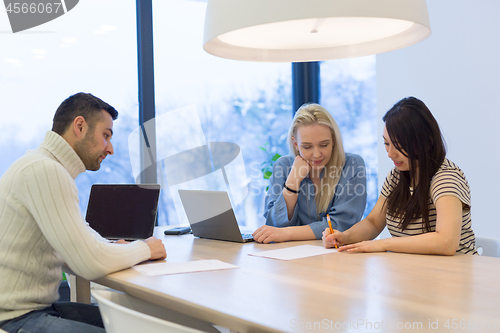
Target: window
<point>348,93</point>
<point>89,49</point>
<point>245,103</point>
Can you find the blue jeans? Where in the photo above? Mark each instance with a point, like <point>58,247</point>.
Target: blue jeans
<point>60,317</point>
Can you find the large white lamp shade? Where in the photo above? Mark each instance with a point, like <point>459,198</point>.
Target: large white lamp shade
<point>312,30</point>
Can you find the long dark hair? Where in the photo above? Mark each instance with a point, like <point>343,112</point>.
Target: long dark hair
<point>415,133</point>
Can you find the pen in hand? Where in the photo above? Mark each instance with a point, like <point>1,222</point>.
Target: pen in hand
<point>330,225</point>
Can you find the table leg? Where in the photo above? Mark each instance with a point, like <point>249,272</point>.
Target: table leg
<point>79,289</point>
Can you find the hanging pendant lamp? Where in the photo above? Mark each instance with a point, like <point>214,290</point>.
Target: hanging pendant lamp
<point>312,30</point>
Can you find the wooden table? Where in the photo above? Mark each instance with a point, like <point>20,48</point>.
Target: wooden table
<point>379,292</point>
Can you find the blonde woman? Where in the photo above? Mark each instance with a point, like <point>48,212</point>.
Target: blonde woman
<point>316,179</point>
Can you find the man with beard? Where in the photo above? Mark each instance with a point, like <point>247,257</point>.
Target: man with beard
<point>42,226</point>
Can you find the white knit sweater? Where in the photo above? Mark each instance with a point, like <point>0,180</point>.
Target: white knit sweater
<point>41,227</point>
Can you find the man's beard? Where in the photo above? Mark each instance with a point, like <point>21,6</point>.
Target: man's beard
<point>84,150</point>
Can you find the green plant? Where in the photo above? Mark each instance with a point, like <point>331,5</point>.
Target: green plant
<point>267,165</point>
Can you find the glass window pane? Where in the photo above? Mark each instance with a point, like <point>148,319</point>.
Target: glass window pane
<point>91,49</point>
<point>243,103</point>
<point>348,92</point>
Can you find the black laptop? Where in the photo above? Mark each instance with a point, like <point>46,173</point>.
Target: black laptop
<point>123,211</point>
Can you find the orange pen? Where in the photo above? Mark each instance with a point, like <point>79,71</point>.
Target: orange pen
<point>330,225</point>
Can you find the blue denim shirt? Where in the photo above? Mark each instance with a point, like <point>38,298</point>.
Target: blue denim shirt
<point>345,210</point>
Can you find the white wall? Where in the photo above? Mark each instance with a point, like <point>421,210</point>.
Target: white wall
<point>456,72</point>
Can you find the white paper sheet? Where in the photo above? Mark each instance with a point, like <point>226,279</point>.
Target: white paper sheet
<point>295,252</point>
<point>165,268</point>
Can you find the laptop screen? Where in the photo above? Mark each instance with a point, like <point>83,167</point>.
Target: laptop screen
<point>123,211</point>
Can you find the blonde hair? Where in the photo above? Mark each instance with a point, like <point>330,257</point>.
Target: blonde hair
<point>310,114</point>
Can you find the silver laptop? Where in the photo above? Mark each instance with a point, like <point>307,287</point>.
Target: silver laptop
<point>211,216</point>
<point>123,211</point>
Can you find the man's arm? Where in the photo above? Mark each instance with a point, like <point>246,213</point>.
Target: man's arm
<point>50,194</point>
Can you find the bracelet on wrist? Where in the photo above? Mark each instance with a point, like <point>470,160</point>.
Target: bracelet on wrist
<point>290,190</point>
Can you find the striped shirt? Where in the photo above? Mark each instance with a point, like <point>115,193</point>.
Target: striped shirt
<point>448,180</point>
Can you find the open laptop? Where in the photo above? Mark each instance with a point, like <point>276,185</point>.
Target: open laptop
<point>211,216</point>
<point>123,211</point>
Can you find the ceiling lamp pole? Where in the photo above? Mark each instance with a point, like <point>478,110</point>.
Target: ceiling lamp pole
<point>312,30</point>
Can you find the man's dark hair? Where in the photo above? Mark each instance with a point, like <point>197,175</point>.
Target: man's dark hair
<point>81,104</point>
